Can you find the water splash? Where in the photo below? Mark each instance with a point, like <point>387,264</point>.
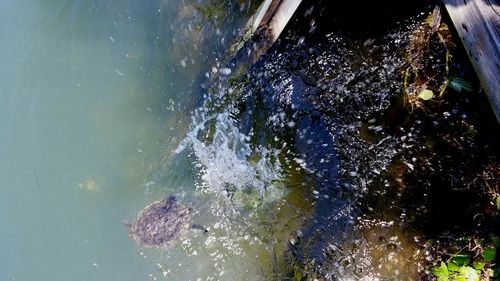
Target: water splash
<point>227,160</point>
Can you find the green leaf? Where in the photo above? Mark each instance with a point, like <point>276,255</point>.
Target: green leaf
<point>468,273</point>
<point>489,254</point>
<point>498,202</point>
<point>441,272</point>
<point>491,272</point>
<point>426,94</point>
<point>495,240</point>
<point>453,267</point>
<point>461,260</point>
<point>459,84</point>
<point>429,20</point>
<point>479,265</point>
<point>471,132</point>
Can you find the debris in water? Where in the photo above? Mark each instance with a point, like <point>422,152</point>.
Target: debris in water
<point>119,72</point>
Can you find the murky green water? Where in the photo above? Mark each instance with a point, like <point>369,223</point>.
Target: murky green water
<point>90,101</point>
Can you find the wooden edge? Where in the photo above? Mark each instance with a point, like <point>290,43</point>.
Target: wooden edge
<point>477,24</point>
<point>260,33</point>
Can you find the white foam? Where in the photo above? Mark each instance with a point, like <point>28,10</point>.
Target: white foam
<point>225,157</point>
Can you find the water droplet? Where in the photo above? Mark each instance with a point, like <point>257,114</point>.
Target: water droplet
<point>225,71</point>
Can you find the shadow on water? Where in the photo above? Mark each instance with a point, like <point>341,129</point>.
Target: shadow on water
<point>335,101</point>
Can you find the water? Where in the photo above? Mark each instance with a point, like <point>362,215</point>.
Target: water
<point>93,98</point>
<point>95,124</point>
<point>325,96</point>
<point>295,168</point>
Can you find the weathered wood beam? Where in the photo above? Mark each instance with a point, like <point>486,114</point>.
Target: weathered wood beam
<point>478,24</point>
<point>262,30</point>
<point>277,16</point>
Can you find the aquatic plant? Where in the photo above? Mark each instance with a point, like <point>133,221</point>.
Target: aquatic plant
<point>213,10</point>
<point>473,262</point>
<point>429,56</point>
<point>216,11</point>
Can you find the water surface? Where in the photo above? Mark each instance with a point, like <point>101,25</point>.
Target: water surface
<point>107,106</point>
<point>89,110</point>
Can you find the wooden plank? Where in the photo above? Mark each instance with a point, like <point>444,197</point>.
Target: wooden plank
<point>478,24</point>
<point>277,19</point>
<point>262,30</point>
